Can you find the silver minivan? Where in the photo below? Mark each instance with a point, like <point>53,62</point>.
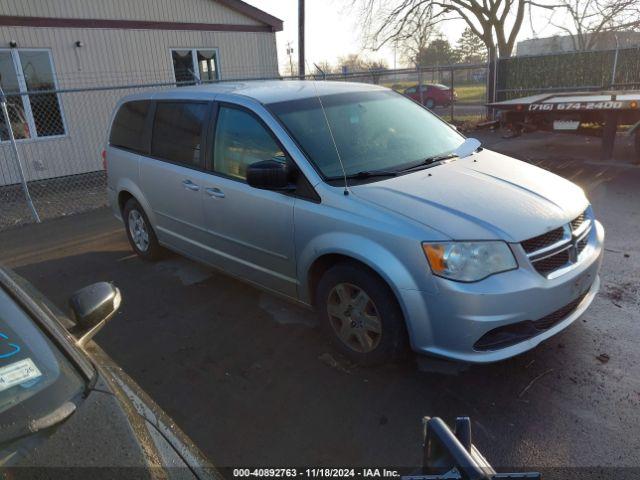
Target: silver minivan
<point>359,202</point>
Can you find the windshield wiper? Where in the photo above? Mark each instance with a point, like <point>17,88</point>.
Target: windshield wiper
<point>17,430</point>
<point>373,173</point>
<point>430,161</point>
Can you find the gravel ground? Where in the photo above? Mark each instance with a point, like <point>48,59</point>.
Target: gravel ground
<point>53,198</point>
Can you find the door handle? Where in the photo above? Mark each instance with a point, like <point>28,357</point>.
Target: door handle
<point>189,185</point>
<point>214,192</point>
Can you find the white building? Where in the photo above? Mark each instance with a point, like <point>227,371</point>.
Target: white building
<point>71,44</point>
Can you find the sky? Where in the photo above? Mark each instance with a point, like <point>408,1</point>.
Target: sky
<point>332,31</point>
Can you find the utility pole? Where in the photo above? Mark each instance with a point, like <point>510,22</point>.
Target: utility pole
<point>301,63</point>
<point>289,53</point>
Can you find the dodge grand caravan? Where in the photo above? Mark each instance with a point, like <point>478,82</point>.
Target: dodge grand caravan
<point>359,202</point>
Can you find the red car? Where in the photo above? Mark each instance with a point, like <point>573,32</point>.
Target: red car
<point>433,95</point>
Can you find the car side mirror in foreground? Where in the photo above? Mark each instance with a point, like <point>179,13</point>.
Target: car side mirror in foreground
<point>91,308</point>
<point>269,175</point>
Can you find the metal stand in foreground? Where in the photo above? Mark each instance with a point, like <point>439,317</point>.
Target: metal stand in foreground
<point>14,147</point>
<point>451,455</point>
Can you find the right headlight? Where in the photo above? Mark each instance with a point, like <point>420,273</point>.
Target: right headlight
<point>469,261</point>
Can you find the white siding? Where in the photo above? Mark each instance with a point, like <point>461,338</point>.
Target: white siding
<point>116,57</point>
<point>202,11</point>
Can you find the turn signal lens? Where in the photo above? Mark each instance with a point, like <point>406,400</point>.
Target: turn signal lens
<point>435,255</point>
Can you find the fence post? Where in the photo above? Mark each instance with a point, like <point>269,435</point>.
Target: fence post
<point>452,90</point>
<point>615,63</point>
<point>420,84</point>
<point>14,147</point>
<point>492,74</point>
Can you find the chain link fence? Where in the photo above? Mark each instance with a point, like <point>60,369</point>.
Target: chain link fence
<point>51,140</point>
<point>457,93</point>
<point>526,75</point>
<point>50,152</point>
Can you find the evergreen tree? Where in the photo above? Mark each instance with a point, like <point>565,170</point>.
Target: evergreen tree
<point>471,48</point>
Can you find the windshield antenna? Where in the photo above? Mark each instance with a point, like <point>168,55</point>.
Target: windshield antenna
<point>333,140</point>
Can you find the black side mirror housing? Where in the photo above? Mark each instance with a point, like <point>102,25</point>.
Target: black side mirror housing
<point>91,308</point>
<point>269,175</point>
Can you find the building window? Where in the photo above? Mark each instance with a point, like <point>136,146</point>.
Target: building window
<point>192,65</point>
<point>34,115</point>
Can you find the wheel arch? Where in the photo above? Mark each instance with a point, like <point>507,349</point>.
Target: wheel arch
<point>366,253</point>
<point>127,190</point>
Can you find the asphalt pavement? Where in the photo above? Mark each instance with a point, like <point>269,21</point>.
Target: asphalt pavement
<point>253,381</point>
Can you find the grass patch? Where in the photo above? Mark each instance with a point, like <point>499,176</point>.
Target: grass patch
<point>471,93</point>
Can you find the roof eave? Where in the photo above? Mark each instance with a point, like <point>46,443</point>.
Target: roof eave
<point>255,13</point>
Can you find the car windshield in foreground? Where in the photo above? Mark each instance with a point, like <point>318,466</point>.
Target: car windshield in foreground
<point>35,378</point>
<point>373,131</point>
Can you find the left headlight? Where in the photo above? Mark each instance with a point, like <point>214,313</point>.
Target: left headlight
<point>469,261</point>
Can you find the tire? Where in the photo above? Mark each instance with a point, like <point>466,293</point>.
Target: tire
<point>430,103</point>
<point>140,233</point>
<point>363,340</point>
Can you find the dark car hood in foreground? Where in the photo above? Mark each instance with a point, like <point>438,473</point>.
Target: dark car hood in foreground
<point>481,197</point>
<point>116,432</point>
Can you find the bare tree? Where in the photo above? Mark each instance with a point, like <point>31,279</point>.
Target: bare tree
<point>496,22</point>
<point>592,20</point>
<point>415,36</point>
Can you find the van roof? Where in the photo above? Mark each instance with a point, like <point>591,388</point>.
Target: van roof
<point>264,91</point>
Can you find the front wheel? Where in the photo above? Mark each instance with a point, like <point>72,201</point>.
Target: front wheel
<point>140,233</point>
<point>361,315</point>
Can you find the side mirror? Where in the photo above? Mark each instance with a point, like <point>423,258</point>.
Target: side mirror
<point>467,147</point>
<point>91,308</point>
<point>269,175</point>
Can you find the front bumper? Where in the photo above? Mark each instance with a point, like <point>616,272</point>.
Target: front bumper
<point>449,322</point>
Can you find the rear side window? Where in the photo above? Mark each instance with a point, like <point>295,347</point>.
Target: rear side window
<point>178,133</point>
<point>128,129</point>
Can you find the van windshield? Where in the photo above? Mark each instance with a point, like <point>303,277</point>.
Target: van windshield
<point>375,130</point>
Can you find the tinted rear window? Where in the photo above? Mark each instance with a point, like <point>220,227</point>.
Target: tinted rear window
<point>177,132</point>
<point>128,130</point>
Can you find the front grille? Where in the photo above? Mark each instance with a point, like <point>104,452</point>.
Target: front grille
<point>577,222</point>
<point>554,262</point>
<point>545,323</point>
<point>508,335</point>
<point>560,247</point>
<point>582,244</point>
<point>544,240</point>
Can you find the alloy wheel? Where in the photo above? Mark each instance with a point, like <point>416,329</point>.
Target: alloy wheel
<point>354,317</point>
<point>138,230</point>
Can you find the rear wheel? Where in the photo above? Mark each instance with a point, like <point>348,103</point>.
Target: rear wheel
<point>361,315</point>
<point>430,103</point>
<point>140,233</point>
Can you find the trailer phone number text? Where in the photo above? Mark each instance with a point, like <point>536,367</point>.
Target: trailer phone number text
<point>315,473</point>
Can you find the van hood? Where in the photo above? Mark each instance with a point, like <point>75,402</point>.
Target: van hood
<point>484,196</point>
